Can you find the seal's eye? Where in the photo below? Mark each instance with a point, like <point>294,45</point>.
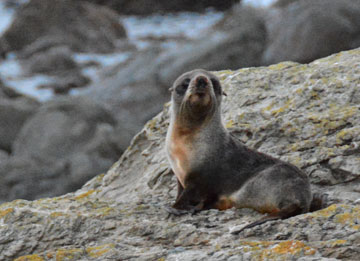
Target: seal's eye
<point>181,88</point>
<point>216,86</point>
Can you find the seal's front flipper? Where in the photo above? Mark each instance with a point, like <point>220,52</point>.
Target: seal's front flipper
<point>176,212</point>
<point>189,210</point>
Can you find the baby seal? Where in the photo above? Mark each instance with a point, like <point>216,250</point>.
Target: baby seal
<point>214,169</point>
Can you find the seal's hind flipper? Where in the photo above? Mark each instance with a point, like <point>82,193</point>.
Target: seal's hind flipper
<point>284,213</point>
<point>319,201</point>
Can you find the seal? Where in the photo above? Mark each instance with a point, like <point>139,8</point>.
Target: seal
<point>214,169</point>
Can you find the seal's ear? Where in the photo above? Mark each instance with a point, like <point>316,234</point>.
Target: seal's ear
<point>224,93</point>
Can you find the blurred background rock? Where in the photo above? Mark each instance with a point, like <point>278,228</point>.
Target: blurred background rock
<point>80,78</point>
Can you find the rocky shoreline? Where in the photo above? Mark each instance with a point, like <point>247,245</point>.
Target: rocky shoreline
<point>50,47</point>
<point>305,114</point>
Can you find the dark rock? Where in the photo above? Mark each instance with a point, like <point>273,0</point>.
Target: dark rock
<point>306,30</point>
<point>145,7</point>
<point>15,109</point>
<point>64,144</point>
<point>79,25</point>
<point>4,156</point>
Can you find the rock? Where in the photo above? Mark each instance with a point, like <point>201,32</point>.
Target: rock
<point>145,7</point>
<point>83,27</point>
<point>52,61</point>
<point>4,156</point>
<point>67,142</point>
<point>307,30</point>
<point>58,63</point>
<point>15,109</point>
<point>132,94</point>
<point>293,111</point>
<point>240,39</point>
<point>64,82</point>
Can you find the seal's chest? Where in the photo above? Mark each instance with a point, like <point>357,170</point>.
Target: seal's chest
<point>180,151</point>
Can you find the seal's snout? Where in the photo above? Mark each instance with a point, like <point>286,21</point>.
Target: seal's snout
<point>201,83</point>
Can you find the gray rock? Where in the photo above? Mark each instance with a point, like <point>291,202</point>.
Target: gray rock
<point>67,142</point>
<point>240,39</point>
<point>307,30</point>
<point>80,26</point>
<point>15,109</point>
<point>58,63</point>
<point>52,61</point>
<point>144,7</point>
<point>4,156</point>
<point>276,109</point>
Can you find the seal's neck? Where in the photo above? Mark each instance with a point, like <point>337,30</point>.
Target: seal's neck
<point>186,123</point>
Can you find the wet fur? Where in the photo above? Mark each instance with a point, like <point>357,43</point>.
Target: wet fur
<point>220,172</point>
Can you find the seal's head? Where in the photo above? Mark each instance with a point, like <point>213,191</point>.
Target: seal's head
<point>196,95</point>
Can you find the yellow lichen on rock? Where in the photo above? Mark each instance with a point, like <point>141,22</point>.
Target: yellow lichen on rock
<point>30,258</point>
<point>98,251</point>
<point>268,250</point>
<point>68,254</point>
<point>5,212</point>
<point>84,195</point>
<point>292,247</point>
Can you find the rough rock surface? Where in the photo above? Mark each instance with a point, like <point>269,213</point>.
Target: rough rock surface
<point>67,142</point>
<point>146,7</point>
<point>310,29</point>
<point>306,114</point>
<point>81,26</point>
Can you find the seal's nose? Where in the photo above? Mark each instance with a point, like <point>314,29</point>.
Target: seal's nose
<point>201,82</point>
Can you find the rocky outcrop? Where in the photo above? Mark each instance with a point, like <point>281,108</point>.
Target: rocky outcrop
<point>146,7</point>
<point>67,142</point>
<point>304,114</point>
<point>307,30</point>
<point>81,26</point>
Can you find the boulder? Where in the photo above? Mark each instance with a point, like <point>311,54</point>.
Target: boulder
<point>15,109</point>
<point>67,142</point>
<point>236,41</point>
<point>307,30</point>
<point>81,26</point>
<point>304,114</point>
<point>53,61</point>
<point>146,7</point>
<point>58,63</point>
